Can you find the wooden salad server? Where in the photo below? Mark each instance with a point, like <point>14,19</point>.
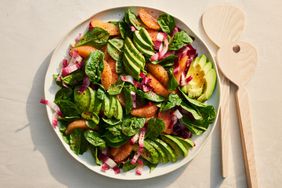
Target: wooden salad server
<point>224,24</point>
<point>237,61</point>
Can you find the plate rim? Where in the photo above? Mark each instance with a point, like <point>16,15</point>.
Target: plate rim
<point>177,166</point>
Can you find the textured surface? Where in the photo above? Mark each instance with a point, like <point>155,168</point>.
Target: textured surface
<point>31,154</point>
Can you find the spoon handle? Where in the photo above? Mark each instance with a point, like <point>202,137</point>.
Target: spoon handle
<point>245,121</point>
<point>224,125</point>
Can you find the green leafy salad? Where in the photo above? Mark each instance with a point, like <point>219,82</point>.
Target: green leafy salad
<point>133,92</point>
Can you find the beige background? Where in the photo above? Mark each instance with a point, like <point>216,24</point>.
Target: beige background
<point>32,156</point>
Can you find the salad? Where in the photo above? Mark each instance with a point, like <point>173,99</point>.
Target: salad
<point>133,92</point>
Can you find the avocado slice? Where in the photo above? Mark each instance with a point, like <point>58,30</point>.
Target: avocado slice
<point>137,38</point>
<point>203,79</point>
<point>119,113</point>
<point>113,107</point>
<point>186,142</point>
<point>167,149</point>
<point>146,52</point>
<point>106,105</point>
<point>145,35</point>
<point>82,99</point>
<point>210,85</point>
<point>150,153</point>
<point>98,105</point>
<point>162,155</point>
<point>92,99</point>
<point>130,67</point>
<point>133,49</point>
<point>133,58</point>
<point>178,147</point>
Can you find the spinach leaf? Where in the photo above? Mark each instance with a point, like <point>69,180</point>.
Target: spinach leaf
<point>115,130</point>
<point>116,89</point>
<point>207,111</point>
<point>124,30</point>
<point>114,47</point>
<point>127,95</point>
<point>172,83</point>
<point>155,128</point>
<point>96,37</point>
<point>150,95</point>
<point>82,99</point>
<point>169,58</point>
<point>115,140</point>
<point>94,138</point>
<point>196,116</point>
<point>74,78</point>
<point>75,141</point>
<point>166,22</point>
<point>127,166</point>
<point>64,94</point>
<point>94,152</point>
<point>68,108</point>
<point>92,119</point>
<point>94,66</point>
<point>131,126</point>
<point>111,122</point>
<point>195,129</point>
<point>179,40</point>
<point>131,19</point>
<point>173,100</point>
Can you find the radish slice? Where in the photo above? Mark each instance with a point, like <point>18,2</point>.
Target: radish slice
<point>132,28</point>
<point>127,78</point>
<point>157,45</point>
<point>155,57</point>
<point>177,114</point>
<point>133,97</point>
<point>139,167</point>
<point>184,81</point>
<point>71,68</point>
<point>176,70</point>
<point>116,170</point>
<point>136,156</point>
<point>65,63</point>
<point>161,36</point>
<point>105,167</point>
<point>134,139</point>
<point>52,105</point>
<point>175,30</point>
<point>163,51</point>
<point>142,137</point>
<point>78,37</point>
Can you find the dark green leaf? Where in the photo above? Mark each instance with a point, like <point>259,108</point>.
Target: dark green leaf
<point>116,89</point>
<point>64,94</point>
<point>75,141</point>
<point>150,95</point>
<point>111,122</point>
<point>124,30</point>
<point>172,83</point>
<point>68,108</point>
<point>173,100</point>
<point>94,66</point>
<point>96,37</point>
<point>166,22</point>
<point>94,152</point>
<point>127,166</point>
<point>94,139</point>
<point>127,95</point>
<point>179,40</point>
<point>114,48</point>
<point>154,128</point>
<point>131,126</point>
<point>115,140</point>
<point>74,78</point>
<point>131,19</point>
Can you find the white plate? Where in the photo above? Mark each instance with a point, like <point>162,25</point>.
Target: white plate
<point>50,89</point>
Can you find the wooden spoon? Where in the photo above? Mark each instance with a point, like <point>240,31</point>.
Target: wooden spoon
<point>237,62</point>
<point>224,24</point>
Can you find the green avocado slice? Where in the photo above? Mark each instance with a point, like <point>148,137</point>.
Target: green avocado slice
<point>210,85</point>
<point>130,67</point>
<point>150,153</point>
<point>186,142</point>
<point>146,52</point>
<point>82,99</point>
<point>134,58</point>
<point>133,49</point>
<point>92,99</point>
<point>167,149</point>
<point>176,145</point>
<point>162,155</point>
<point>119,114</point>
<point>137,38</point>
<point>145,35</point>
<point>106,105</point>
<point>113,107</point>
